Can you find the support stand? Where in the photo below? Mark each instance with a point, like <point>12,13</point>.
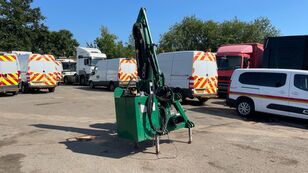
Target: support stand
<point>157,144</point>
<point>189,135</point>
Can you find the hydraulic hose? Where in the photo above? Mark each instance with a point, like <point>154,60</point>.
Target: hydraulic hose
<point>163,129</point>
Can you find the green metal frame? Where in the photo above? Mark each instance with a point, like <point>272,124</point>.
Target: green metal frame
<point>133,122</point>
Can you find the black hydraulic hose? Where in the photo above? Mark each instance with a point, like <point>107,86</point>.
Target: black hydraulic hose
<point>149,103</point>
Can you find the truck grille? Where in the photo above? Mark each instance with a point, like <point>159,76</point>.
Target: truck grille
<point>224,78</point>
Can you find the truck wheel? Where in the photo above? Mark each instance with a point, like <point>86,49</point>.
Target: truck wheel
<point>24,88</point>
<point>245,107</point>
<point>111,86</point>
<point>65,80</point>
<point>82,80</point>
<point>92,85</point>
<point>51,90</point>
<point>202,100</point>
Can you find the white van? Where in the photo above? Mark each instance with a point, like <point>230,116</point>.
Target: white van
<point>38,72</point>
<point>193,74</point>
<point>276,91</point>
<point>9,74</point>
<point>113,73</point>
<point>69,70</point>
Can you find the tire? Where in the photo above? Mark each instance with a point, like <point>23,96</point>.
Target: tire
<point>65,80</point>
<point>24,88</point>
<point>15,93</point>
<point>92,85</point>
<point>51,90</point>
<point>202,100</point>
<point>82,80</point>
<point>245,108</point>
<point>111,86</point>
<point>183,99</point>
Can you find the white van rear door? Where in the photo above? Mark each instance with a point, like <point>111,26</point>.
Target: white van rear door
<point>299,95</point>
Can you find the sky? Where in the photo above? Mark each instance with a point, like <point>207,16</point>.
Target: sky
<point>85,17</point>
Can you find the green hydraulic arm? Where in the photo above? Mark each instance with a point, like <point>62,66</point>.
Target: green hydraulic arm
<point>148,108</point>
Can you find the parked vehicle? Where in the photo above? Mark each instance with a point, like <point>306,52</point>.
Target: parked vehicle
<point>276,91</point>
<point>193,74</point>
<point>38,72</point>
<point>289,52</point>
<point>59,68</point>
<point>234,56</point>
<point>114,72</point>
<point>69,70</point>
<point>9,74</point>
<point>21,53</point>
<point>87,58</point>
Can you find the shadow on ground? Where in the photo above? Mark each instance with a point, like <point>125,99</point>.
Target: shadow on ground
<point>87,88</point>
<point>273,120</point>
<point>106,144</point>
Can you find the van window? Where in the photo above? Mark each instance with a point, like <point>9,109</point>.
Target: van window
<point>9,67</point>
<point>39,66</point>
<point>200,68</point>
<point>263,79</point>
<point>128,67</point>
<point>301,82</point>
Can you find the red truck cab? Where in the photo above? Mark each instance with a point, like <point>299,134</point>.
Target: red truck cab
<point>234,56</point>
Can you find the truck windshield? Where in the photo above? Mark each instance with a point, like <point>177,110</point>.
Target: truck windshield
<point>69,66</point>
<point>229,62</point>
<point>95,60</point>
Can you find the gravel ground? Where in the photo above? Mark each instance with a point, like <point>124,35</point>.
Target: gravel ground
<point>37,133</point>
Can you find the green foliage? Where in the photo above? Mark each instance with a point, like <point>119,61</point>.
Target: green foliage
<point>194,34</point>
<point>22,28</point>
<point>109,44</point>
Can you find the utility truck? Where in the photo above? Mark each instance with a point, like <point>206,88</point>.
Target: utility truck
<point>87,58</point>
<point>38,72</point>
<point>234,56</point>
<point>193,74</point>
<point>288,52</point>
<point>113,73</point>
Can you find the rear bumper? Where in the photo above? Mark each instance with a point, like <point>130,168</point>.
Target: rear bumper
<point>42,86</point>
<point>189,93</point>
<point>9,89</point>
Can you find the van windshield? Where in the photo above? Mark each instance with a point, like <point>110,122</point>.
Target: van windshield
<point>128,67</point>
<point>41,66</point>
<point>8,67</point>
<point>69,66</point>
<point>229,62</point>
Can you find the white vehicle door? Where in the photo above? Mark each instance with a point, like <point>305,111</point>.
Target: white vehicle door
<point>274,92</point>
<point>299,95</point>
<point>102,70</point>
<point>181,69</point>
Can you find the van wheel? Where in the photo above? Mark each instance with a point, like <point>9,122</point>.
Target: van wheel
<point>202,100</point>
<point>51,90</point>
<point>92,85</point>
<point>15,93</point>
<point>111,86</point>
<point>245,108</point>
<point>24,88</point>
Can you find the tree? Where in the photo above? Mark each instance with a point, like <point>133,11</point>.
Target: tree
<point>109,44</point>
<point>63,44</point>
<point>18,21</point>
<point>194,34</point>
<point>22,28</point>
